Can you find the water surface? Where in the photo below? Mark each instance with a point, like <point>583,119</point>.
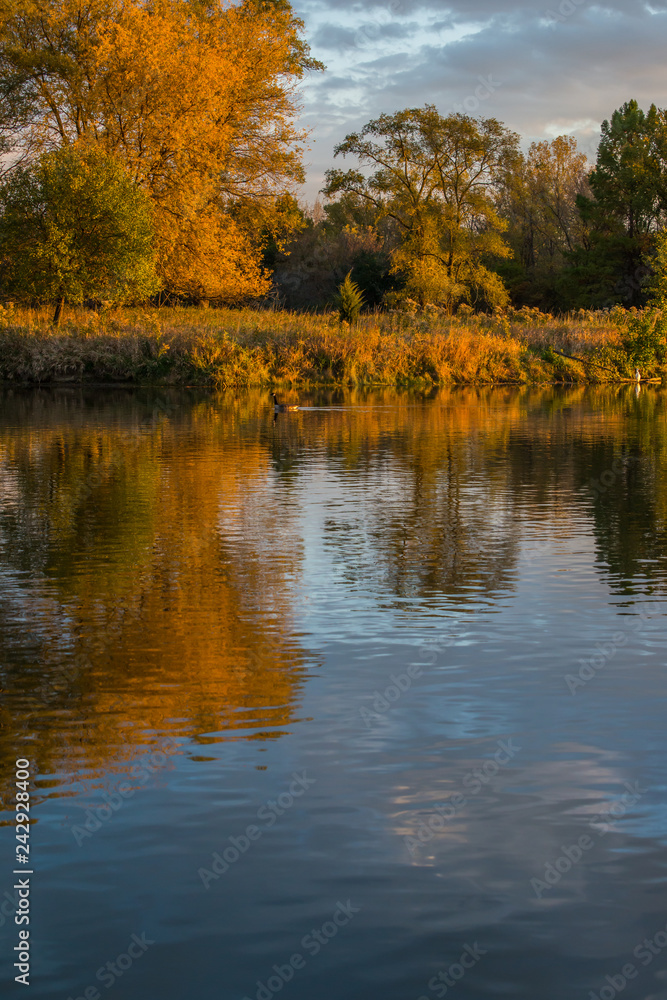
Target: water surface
<point>366,675</point>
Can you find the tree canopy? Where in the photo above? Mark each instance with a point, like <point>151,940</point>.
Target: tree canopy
<point>626,208</point>
<point>75,226</point>
<point>435,177</point>
<point>197,100</point>
<point>196,104</point>
<point>539,202</point>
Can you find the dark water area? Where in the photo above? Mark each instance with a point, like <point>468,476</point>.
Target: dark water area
<point>363,701</point>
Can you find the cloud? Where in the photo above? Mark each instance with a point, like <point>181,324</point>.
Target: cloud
<point>560,66</point>
<point>334,37</point>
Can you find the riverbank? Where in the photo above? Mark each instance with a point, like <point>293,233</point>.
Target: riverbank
<point>233,348</point>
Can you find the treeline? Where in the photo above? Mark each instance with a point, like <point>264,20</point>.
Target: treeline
<point>449,211</point>
<point>152,150</point>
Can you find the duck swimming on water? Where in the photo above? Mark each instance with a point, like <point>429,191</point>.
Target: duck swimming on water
<point>282,407</point>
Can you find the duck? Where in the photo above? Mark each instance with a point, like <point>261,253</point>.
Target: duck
<point>282,407</point>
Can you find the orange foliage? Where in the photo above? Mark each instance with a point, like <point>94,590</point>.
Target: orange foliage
<point>198,100</point>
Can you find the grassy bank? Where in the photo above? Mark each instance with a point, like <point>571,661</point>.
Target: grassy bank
<point>188,346</point>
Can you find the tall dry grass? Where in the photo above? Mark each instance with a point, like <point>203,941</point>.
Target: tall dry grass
<point>237,347</point>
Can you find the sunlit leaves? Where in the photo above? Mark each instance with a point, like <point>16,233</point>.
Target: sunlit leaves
<point>435,177</point>
<point>197,100</point>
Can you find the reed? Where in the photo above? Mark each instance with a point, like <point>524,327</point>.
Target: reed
<point>242,347</point>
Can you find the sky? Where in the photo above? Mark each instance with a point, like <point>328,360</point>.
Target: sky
<point>543,69</point>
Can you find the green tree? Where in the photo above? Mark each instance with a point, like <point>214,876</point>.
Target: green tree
<point>372,264</point>
<point>627,207</point>
<point>282,229</point>
<point>310,269</point>
<point>352,210</point>
<point>75,226</point>
<point>658,265</point>
<point>436,178</point>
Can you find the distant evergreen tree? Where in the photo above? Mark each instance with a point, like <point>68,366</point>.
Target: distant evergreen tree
<point>349,300</point>
<point>627,208</point>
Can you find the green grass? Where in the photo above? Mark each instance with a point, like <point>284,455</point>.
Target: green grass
<point>242,347</point>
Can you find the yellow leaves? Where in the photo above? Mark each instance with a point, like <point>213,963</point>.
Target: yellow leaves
<point>167,96</point>
<point>208,256</point>
<point>199,103</point>
<point>196,103</point>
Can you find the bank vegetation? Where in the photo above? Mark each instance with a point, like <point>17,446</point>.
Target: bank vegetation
<point>244,347</point>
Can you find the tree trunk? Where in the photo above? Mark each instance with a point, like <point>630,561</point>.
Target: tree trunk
<point>59,308</point>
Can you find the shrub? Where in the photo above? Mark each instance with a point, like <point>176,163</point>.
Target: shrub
<point>645,340</point>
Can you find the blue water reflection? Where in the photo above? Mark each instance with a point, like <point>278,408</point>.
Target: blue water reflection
<point>368,674</point>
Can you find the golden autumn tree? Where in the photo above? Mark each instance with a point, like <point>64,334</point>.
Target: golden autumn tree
<point>435,179</point>
<point>197,99</point>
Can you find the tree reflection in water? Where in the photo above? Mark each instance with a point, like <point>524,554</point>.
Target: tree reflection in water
<point>152,544</point>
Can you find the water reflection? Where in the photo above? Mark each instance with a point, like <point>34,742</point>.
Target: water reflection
<point>180,569</point>
<point>138,598</point>
<point>153,542</point>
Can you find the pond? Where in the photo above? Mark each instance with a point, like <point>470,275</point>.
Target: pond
<point>363,701</point>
